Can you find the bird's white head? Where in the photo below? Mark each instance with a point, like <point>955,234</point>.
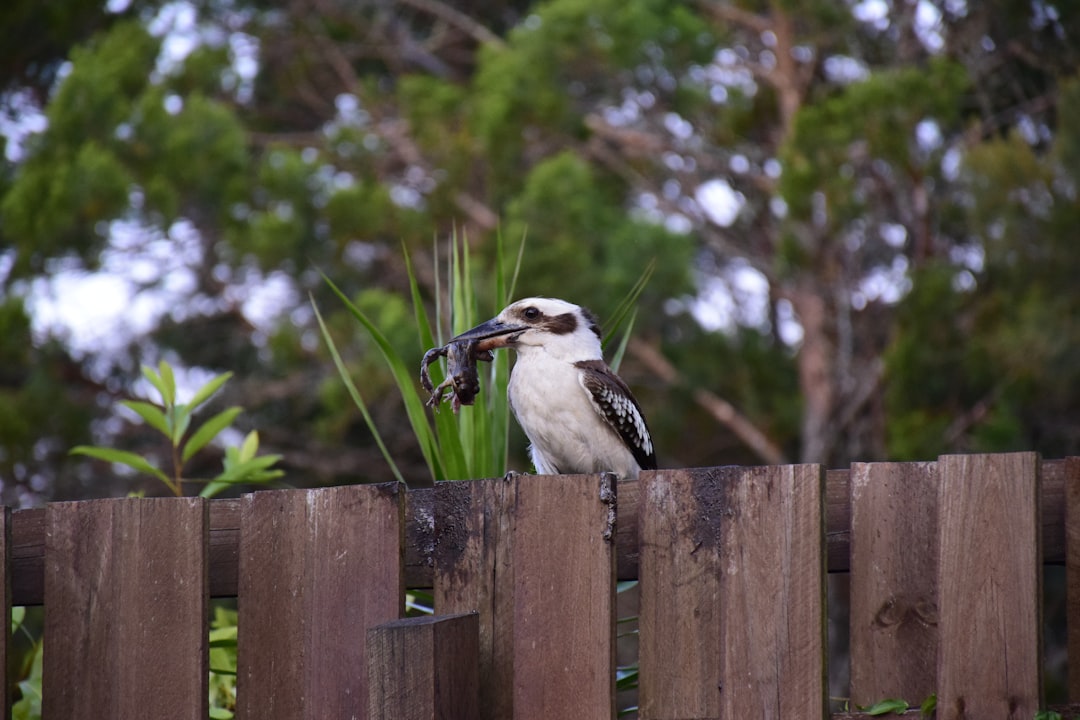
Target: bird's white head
<point>563,330</point>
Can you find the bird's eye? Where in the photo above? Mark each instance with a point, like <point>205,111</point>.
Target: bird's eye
<point>531,313</point>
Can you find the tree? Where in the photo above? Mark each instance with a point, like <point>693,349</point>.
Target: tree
<point>816,183</point>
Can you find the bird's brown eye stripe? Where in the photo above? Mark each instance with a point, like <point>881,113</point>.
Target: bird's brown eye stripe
<point>562,324</point>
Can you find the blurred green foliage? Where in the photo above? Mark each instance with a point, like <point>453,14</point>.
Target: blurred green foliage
<point>914,184</point>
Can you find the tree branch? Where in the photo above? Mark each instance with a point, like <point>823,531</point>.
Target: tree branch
<point>721,410</point>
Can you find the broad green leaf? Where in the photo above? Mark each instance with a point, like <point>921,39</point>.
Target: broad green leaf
<point>209,430</point>
<point>203,394</point>
<point>150,413</point>
<point>250,446</point>
<point>240,471</point>
<point>154,379</point>
<point>929,705</point>
<point>168,381</point>
<point>123,457</point>
<point>179,420</point>
<point>884,707</point>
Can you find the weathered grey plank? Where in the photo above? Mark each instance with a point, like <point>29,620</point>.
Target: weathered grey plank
<point>772,597</point>
<point>990,659</point>
<point>317,569</point>
<point>680,514</point>
<point>125,609</point>
<point>424,668</point>
<point>894,569</point>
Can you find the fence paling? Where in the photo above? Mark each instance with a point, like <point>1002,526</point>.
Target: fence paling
<point>990,658</point>
<point>28,535</point>
<point>564,598</point>
<point>126,609</point>
<point>317,569</point>
<point>1071,520</point>
<point>679,516</point>
<point>126,591</point>
<point>773,604</point>
<point>472,529</point>
<point>424,668</point>
<point>894,570</point>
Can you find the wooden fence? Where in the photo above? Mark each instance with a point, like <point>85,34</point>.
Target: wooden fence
<point>945,561</point>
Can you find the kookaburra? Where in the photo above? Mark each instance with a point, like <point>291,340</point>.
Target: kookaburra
<point>579,416</point>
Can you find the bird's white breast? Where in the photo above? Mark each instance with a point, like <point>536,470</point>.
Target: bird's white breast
<point>566,432</point>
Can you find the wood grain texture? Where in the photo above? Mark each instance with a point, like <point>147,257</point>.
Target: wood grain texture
<point>990,659</point>
<point>473,537</point>
<point>1072,572</point>
<point>28,536</point>
<point>564,599</point>
<point>126,609</point>
<point>317,569</point>
<point>424,668</point>
<point>894,569</point>
<point>773,594</point>
<point>679,515</point>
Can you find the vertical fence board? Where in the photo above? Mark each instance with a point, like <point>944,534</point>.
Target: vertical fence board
<point>679,516</point>
<point>773,594</point>
<point>317,569</point>
<point>5,595</point>
<point>564,597</point>
<point>1072,572</point>
<point>473,528</point>
<point>990,657</point>
<point>126,609</point>
<point>894,566</point>
<point>424,668</point>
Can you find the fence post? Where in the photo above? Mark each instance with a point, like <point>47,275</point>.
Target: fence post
<point>990,657</point>
<point>424,668</point>
<point>317,569</point>
<point>126,609</point>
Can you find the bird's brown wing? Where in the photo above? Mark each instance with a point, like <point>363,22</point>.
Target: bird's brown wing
<point>617,405</point>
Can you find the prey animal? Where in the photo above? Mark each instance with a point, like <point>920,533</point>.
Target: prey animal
<point>462,374</point>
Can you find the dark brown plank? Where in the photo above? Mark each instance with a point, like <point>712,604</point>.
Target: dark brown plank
<point>473,535</point>
<point>424,668</point>
<point>990,662</point>
<point>772,598</point>
<point>126,609</point>
<point>680,513</point>
<point>894,568</point>
<point>1072,572</point>
<point>564,598</point>
<point>317,569</point>
<point>28,536</point>
<point>5,596</point>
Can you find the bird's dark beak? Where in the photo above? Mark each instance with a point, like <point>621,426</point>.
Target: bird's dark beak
<point>492,334</point>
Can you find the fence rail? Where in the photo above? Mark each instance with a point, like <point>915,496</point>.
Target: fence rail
<point>945,561</point>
